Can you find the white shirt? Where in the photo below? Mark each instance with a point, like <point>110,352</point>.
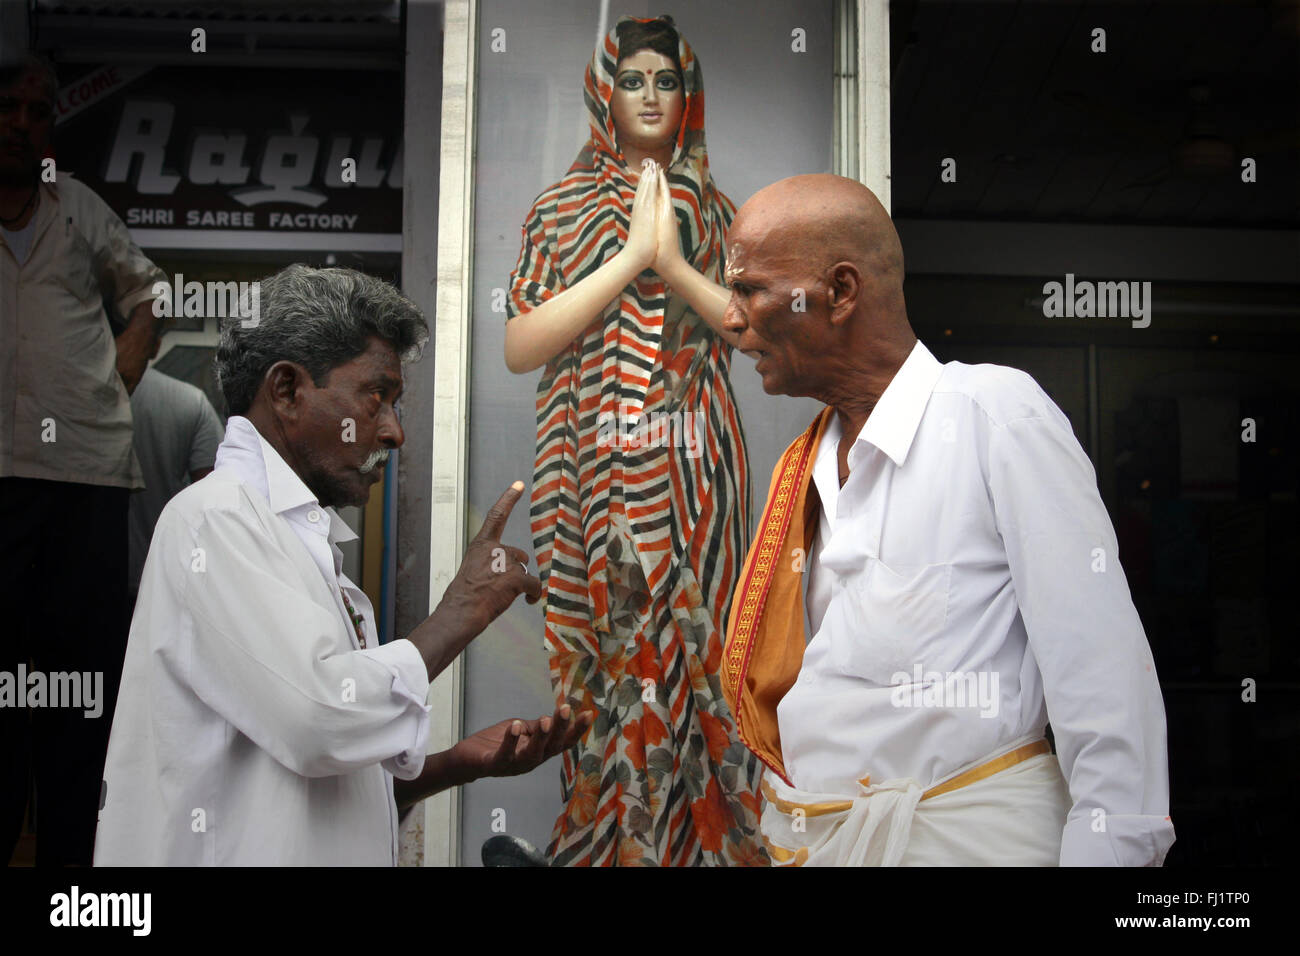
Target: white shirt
<point>250,728</point>
<point>970,540</point>
<point>64,411</point>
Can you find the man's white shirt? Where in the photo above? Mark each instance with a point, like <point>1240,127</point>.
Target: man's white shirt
<point>250,726</point>
<point>970,541</point>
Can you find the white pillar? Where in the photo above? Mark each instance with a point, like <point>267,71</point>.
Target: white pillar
<point>873,97</point>
<point>454,201</point>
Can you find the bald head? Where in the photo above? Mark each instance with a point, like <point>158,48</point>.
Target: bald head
<point>822,219</point>
<point>816,272</point>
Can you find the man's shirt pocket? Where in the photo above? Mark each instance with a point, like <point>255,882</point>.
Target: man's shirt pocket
<point>885,620</point>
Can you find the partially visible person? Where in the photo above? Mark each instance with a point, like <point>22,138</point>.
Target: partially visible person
<point>177,432</point>
<point>66,463</point>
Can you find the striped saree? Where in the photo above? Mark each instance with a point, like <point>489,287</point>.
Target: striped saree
<point>639,532</point>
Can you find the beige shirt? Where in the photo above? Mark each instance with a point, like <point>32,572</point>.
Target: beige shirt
<point>64,411</point>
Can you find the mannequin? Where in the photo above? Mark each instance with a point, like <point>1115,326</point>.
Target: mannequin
<point>641,493</point>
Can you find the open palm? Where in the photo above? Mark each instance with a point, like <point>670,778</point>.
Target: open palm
<point>514,746</point>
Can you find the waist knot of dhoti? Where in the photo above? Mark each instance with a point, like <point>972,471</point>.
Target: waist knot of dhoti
<point>869,829</point>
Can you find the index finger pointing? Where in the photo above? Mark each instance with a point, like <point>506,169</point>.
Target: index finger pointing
<point>495,522</point>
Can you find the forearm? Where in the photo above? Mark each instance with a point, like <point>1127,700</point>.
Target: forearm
<point>142,326</point>
<point>533,338</point>
<point>439,640</point>
<point>136,344</point>
<point>441,772</point>
<point>706,297</point>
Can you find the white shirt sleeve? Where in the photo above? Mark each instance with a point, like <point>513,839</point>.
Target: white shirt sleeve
<point>264,655</point>
<point>1099,679</point>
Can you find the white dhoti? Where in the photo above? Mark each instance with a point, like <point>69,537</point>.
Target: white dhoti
<point>1007,810</point>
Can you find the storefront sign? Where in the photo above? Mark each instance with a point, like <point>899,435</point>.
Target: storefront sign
<point>207,158</point>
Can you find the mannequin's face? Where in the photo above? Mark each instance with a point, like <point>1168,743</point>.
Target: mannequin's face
<point>647,101</point>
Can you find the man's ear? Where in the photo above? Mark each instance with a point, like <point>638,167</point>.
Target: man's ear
<point>283,384</point>
<point>844,288</point>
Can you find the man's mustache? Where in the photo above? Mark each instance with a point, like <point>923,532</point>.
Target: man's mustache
<point>376,458</point>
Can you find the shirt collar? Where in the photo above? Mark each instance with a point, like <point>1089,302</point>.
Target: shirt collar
<point>256,462</point>
<point>892,425</point>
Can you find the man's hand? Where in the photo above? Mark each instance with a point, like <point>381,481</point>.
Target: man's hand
<point>517,746</point>
<point>489,579</point>
<point>506,749</point>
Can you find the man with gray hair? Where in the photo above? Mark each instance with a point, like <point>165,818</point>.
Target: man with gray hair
<point>260,719</point>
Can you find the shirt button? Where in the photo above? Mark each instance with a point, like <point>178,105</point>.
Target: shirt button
<point>313,516</point>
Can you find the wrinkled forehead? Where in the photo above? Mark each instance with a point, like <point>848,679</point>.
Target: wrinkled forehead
<point>759,238</point>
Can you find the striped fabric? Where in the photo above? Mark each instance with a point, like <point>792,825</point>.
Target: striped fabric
<point>640,523</point>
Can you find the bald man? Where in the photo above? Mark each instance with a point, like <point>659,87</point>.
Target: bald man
<point>934,575</point>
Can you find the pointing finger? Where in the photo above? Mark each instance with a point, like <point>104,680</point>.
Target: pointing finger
<point>495,522</point>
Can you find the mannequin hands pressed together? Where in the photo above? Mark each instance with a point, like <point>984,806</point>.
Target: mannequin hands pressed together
<point>642,246</point>
<point>705,296</point>
<point>668,249</point>
<point>533,338</point>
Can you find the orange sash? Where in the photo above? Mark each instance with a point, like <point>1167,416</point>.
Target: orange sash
<point>765,633</point>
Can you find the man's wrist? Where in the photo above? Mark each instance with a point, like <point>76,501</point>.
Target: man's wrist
<point>447,629</point>
<point>442,771</point>
<point>456,770</point>
<point>438,639</point>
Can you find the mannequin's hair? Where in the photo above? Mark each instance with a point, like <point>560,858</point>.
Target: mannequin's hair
<point>658,35</point>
